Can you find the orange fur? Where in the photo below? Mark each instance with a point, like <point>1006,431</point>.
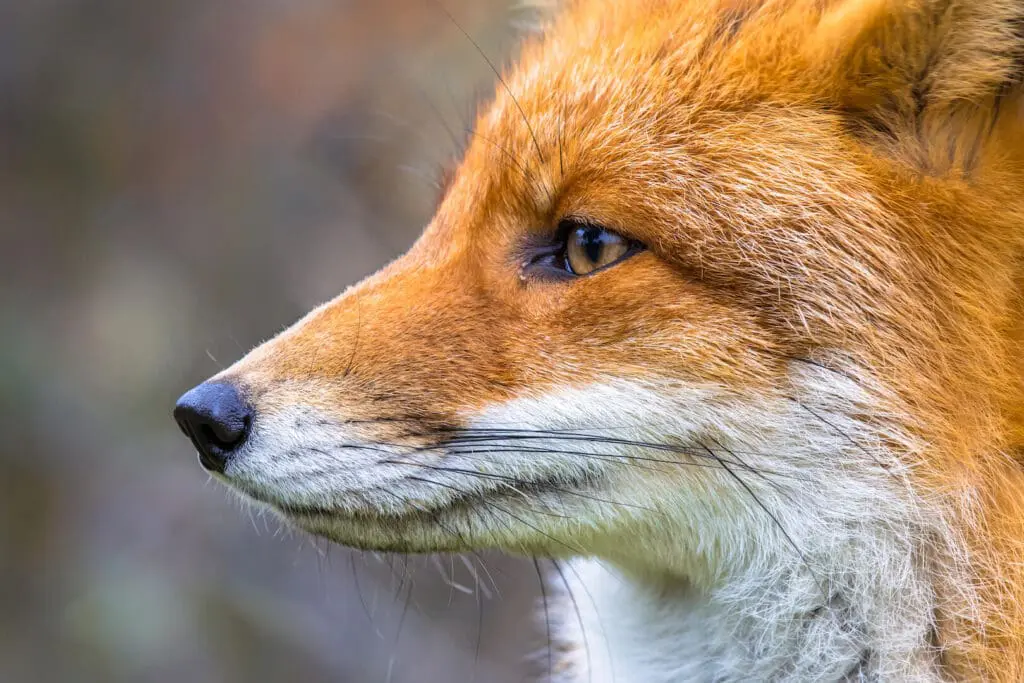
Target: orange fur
<point>807,175</point>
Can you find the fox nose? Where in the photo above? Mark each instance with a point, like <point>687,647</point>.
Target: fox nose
<point>216,417</point>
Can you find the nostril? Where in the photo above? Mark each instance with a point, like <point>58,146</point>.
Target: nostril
<point>184,426</point>
<point>224,438</point>
<point>217,419</point>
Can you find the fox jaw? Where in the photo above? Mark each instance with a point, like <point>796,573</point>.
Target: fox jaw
<point>721,299</point>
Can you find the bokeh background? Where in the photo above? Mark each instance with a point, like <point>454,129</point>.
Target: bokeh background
<point>179,179</point>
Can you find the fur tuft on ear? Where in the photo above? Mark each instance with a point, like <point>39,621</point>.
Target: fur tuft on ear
<point>927,77</point>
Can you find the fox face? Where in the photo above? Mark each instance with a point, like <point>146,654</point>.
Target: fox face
<point>719,289</point>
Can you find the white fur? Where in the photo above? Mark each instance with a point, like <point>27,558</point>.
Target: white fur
<point>721,593</point>
<point>683,576</point>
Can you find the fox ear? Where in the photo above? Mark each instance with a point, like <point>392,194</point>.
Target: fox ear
<point>928,78</point>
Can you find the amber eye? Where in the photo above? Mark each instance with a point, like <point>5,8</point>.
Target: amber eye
<point>589,247</point>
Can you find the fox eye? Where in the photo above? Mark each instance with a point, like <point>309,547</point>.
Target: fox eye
<point>590,247</point>
<point>578,248</point>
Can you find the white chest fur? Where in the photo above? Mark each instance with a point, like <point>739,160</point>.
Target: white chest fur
<point>609,629</point>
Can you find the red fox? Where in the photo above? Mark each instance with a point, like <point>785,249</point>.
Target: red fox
<point>723,307</point>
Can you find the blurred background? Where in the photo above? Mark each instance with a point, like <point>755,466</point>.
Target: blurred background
<point>179,179</point>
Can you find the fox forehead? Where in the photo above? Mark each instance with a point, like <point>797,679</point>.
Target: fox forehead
<point>648,118</point>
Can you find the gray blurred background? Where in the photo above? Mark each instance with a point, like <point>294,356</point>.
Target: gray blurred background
<point>179,179</point>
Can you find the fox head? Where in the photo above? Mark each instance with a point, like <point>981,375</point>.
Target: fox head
<point>720,288</point>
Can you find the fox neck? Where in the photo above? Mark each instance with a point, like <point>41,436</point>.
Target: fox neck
<point>842,580</point>
<point>617,626</point>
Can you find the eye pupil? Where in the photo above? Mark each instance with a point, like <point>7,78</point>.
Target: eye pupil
<point>593,243</point>
<point>590,247</point>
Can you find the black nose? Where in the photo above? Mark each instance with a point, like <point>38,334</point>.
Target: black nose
<point>217,419</point>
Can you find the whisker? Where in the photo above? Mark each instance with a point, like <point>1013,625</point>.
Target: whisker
<point>511,157</point>
<point>492,504</point>
<point>482,587</point>
<point>579,615</point>
<point>462,453</point>
<point>547,615</point>
<point>393,657</point>
<point>556,489</point>
<point>852,441</point>
<point>501,80</point>
<point>752,470</point>
<point>462,446</point>
<point>470,493</point>
<point>540,435</point>
<point>503,478</point>
<point>479,630</point>
<point>359,594</point>
<point>457,144</point>
<point>216,362</point>
<point>626,459</point>
<point>600,619</point>
<point>775,520</point>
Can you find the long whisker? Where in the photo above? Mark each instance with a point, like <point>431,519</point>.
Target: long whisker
<point>547,615</point>
<point>520,166</point>
<point>359,594</point>
<point>753,470</point>
<point>852,441</point>
<point>457,144</point>
<point>497,74</point>
<point>480,447</point>
<point>393,659</point>
<point>470,435</point>
<point>628,459</point>
<point>492,504</point>
<point>617,458</point>
<point>774,518</point>
<point>579,616</point>
<point>511,482</point>
<point>469,493</point>
<point>572,492</point>
<point>479,629</point>
<point>466,438</point>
